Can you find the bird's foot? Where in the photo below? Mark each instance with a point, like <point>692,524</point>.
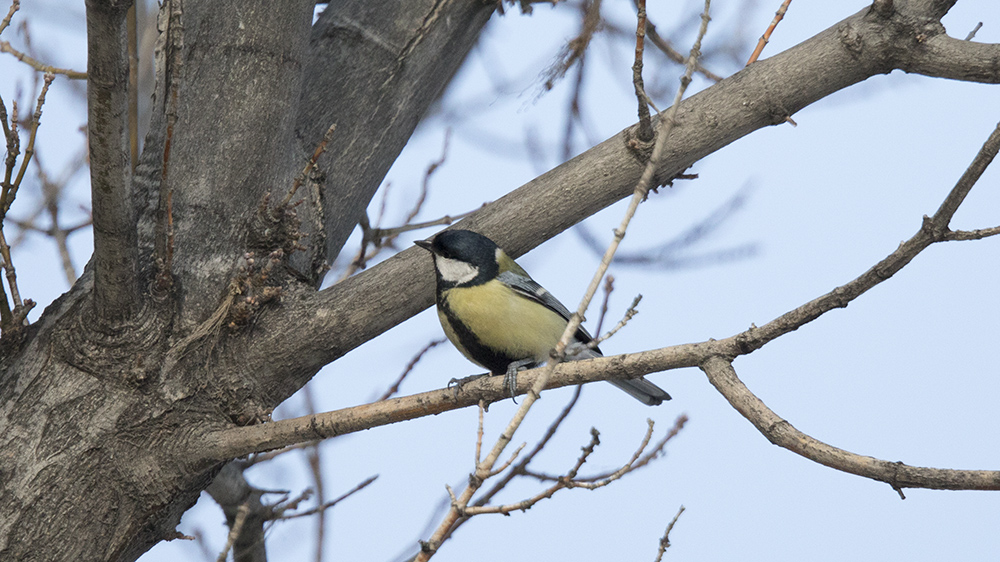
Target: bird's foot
<point>510,377</point>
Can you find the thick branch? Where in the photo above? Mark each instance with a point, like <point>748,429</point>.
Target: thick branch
<point>240,441</point>
<point>115,242</point>
<point>229,443</point>
<point>781,433</point>
<point>947,57</point>
<point>324,326</point>
<point>375,81</point>
<point>232,138</point>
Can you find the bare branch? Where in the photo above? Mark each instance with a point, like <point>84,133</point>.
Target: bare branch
<point>767,33</point>
<point>115,241</point>
<point>978,234</point>
<point>667,49</point>
<point>708,120</point>
<point>946,57</point>
<point>236,442</point>
<point>629,314</point>
<point>665,541</point>
<point>394,388</point>
<point>645,131</point>
<point>6,47</point>
<point>234,531</point>
<point>310,165</point>
<point>972,34</point>
<point>324,506</point>
<point>576,48</point>
<point>15,5</point>
<point>723,377</point>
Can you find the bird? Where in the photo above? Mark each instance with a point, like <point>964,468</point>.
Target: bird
<point>500,318</point>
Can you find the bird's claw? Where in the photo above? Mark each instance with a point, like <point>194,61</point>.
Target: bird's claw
<point>510,377</point>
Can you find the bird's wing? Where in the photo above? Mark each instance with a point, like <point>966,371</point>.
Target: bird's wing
<point>529,289</point>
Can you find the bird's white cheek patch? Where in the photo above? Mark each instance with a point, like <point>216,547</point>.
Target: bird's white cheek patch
<point>454,271</point>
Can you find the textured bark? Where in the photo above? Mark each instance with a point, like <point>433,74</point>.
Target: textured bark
<point>101,425</point>
<point>96,419</point>
<point>115,248</point>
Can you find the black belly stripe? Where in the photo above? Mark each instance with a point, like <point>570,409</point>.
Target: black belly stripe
<point>494,360</point>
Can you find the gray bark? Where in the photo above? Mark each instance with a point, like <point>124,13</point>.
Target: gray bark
<point>95,417</point>
<point>100,424</point>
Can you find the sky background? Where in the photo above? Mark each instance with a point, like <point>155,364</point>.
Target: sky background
<point>907,372</point>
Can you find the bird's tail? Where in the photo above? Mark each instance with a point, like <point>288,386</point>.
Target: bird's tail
<point>640,388</point>
<point>643,391</point>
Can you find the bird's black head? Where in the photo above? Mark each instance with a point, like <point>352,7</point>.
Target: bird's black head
<point>454,247</point>
<point>465,245</point>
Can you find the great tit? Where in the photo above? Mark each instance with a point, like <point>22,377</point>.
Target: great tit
<point>499,317</point>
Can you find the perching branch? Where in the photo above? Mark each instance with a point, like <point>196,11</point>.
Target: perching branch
<point>239,441</point>
<point>707,121</point>
<point>485,469</point>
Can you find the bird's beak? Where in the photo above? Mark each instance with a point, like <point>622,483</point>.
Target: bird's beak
<point>425,244</point>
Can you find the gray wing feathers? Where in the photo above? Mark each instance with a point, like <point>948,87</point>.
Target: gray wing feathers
<point>640,389</point>
<point>529,289</point>
<point>532,290</point>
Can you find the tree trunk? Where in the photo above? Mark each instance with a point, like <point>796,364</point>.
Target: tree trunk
<point>103,401</point>
<point>97,416</point>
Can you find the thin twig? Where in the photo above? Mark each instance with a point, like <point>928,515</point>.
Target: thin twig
<point>767,34</point>
<point>479,433</point>
<point>395,231</point>
<point>629,314</point>
<point>574,114</point>
<point>576,48</point>
<point>975,30</point>
<point>664,46</point>
<point>320,508</point>
<point>6,47</point>
<point>15,5</point>
<point>609,287</point>
<point>645,132</point>
<point>570,480</point>
<point>309,167</point>
<point>29,151</point>
<point>234,531</point>
<point>665,540</point>
<point>978,234</point>
<point>430,547</point>
<point>380,238</point>
<point>8,267</point>
<point>521,466</point>
<point>665,125</point>
<point>394,388</point>
<point>315,462</point>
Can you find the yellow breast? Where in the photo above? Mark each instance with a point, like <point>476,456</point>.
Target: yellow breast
<point>503,320</point>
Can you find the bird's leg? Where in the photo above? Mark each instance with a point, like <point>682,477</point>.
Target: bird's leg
<point>510,377</point>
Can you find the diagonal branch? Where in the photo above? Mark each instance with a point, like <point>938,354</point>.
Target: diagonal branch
<point>781,433</point>
<point>116,285</point>
<point>321,327</point>
<point>239,441</point>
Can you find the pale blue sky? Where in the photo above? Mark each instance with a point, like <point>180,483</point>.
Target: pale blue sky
<point>907,372</point>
